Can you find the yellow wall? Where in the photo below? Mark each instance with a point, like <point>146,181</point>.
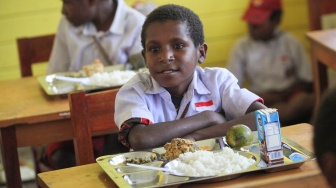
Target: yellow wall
<point>221,19</point>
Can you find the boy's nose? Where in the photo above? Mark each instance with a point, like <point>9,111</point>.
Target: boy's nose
<point>166,57</point>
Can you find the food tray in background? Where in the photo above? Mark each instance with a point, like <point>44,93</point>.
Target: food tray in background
<point>127,176</point>
<point>58,87</point>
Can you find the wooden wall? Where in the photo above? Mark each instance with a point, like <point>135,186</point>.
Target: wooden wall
<point>221,19</point>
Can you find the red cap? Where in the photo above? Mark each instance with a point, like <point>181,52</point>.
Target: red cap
<point>259,11</point>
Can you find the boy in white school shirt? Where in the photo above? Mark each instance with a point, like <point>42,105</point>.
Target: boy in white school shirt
<point>177,98</point>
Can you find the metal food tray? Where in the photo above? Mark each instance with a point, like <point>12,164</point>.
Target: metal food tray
<point>58,87</point>
<point>127,176</point>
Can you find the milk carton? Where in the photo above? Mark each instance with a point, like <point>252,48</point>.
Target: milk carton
<point>269,135</point>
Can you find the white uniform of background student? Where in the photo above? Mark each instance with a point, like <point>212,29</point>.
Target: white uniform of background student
<point>273,64</point>
<point>75,46</point>
<point>117,28</point>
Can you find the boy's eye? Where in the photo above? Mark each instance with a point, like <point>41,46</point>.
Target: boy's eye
<point>178,46</point>
<point>153,49</point>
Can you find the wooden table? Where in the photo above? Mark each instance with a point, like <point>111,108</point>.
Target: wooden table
<point>28,116</point>
<point>323,49</point>
<point>308,175</point>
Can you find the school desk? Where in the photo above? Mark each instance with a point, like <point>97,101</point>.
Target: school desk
<point>308,175</point>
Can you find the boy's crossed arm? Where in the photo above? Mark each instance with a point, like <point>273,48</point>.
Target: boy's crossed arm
<point>207,124</point>
<point>156,135</point>
<point>220,129</point>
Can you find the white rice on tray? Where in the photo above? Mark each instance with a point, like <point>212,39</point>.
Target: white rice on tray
<point>208,163</point>
<point>114,78</point>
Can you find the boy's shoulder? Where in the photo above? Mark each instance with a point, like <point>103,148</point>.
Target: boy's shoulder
<point>212,72</point>
<point>214,78</point>
<point>65,24</point>
<point>139,80</point>
<point>209,70</point>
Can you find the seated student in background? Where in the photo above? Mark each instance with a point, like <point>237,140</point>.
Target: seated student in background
<point>177,98</point>
<point>324,136</point>
<point>107,30</point>
<point>273,63</point>
<point>117,28</point>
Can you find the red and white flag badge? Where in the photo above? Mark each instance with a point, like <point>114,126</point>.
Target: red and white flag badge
<point>207,105</point>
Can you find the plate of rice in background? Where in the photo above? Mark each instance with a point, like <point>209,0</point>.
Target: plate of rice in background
<point>92,77</point>
<point>214,163</point>
<point>110,79</point>
<point>105,76</point>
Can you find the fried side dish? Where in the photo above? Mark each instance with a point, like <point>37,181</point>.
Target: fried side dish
<point>178,146</point>
<point>140,160</point>
<point>95,67</point>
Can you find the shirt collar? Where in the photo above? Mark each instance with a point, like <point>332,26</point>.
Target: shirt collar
<point>198,84</point>
<point>278,32</point>
<point>156,87</point>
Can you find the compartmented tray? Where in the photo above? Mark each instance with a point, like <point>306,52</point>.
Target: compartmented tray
<point>58,87</point>
<point>127,176</point>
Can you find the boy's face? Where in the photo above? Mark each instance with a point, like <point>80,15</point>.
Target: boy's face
<point>262,31</point>
<point>171,55</point>
<point>77,11</point>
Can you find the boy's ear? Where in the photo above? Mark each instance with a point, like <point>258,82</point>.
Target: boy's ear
<point>202,51</point>
<point>144,56</point>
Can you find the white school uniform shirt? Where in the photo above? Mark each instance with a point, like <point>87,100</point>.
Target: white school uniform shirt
<point>214,89</point>
<point>273,65</point>
<point>74,47</point>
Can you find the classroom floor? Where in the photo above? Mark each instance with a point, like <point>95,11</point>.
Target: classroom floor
<point>26,156</point>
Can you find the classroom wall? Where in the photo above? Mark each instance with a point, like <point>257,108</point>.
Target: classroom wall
<point>221,19</point>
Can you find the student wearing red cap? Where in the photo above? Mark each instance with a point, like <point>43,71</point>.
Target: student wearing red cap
<point>273,63</point>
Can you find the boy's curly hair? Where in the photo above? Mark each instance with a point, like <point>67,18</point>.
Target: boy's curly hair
<point>177,13</point>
